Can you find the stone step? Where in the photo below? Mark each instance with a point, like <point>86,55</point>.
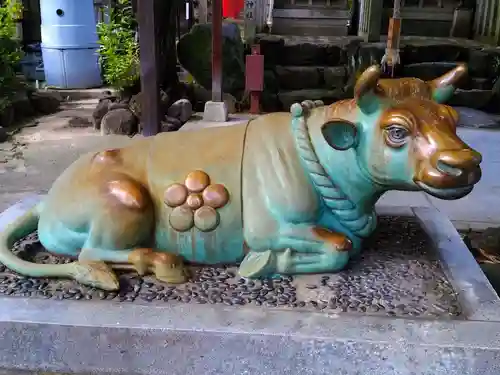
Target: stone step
<point>310,77</point>
<point>311,22</point>
<point>431,70</point>
<point>295,65</point>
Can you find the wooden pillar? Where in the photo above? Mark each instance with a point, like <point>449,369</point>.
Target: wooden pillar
<point>216,50</point>
<point>158,59</point>
<point>149,20</point>
<point>370,19</point>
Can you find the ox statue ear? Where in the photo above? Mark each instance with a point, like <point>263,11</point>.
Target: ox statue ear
<point>365,89</point>
<point>340,134</point>
<point>443,87</point>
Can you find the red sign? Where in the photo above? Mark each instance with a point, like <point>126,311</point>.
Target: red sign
<point>254,72</point>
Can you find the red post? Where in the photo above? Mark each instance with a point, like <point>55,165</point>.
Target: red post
<point>254,78</point>
<point>216,50</point>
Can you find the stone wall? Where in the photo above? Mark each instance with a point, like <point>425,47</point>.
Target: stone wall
<point>299,68</point>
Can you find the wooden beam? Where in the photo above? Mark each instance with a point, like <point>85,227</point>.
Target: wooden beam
<point>149,20</point>
<point>216,50</point>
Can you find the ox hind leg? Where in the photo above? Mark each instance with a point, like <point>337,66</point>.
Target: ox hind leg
<point>119,224</point>
<point>299,249</point>
<point>122,232</point>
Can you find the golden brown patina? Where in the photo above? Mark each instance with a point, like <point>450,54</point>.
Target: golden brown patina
<point>339,241</point>
<point>440,160</point>
<point>195,203</point>
<point>401,88</point>
<point>167,267</point>
<point>216,196</point>
<point>175,195</point>
<point>206,219</point>
<point>181,218</point>
<point>197,181</point>
<point>303,187</point>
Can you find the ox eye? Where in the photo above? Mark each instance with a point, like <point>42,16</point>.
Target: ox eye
<point>396,135</point>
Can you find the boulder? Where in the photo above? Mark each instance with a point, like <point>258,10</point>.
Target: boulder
<point>134,103</point>
<point>46,102</point>
<point>79,122</point>
<point>100,110</point>
<point>181,110</point>
<point>22,105</point>
<point>106,94</point>
<point>3,134</point>
<point>171,124</point>
<point>119,121</point>
<point>194,51</point>
<point>231,103</point>
<point>7,116</point>
<point>117,105</point>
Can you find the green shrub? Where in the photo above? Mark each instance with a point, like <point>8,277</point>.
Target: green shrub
<point>10,51</point>
<point>119,50</point>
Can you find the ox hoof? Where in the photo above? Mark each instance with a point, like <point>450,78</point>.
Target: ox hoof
<point>171,273</point>
<point>258,264</point>
<point>95,274</point>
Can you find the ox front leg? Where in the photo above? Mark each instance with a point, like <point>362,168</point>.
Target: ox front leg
<point>300,248</point>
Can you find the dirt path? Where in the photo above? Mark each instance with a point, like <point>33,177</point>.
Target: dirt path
<point>31,161</point>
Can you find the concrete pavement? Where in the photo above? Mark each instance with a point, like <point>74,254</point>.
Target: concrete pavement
<point>39,154</point>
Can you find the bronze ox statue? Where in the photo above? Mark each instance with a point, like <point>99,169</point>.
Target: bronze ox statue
<point>284,193</point>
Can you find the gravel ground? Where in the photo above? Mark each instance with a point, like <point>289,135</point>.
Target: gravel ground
<point>397,274</point>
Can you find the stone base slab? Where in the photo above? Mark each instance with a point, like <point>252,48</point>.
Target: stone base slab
<point>102,337</point>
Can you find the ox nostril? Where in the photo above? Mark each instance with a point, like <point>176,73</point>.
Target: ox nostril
<point>445,168</point>
<point>455,162</point>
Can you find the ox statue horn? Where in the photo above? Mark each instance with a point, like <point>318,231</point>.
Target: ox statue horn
<point>443,87</point>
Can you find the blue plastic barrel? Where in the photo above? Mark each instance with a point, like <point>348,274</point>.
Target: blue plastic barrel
<point>69,44</point>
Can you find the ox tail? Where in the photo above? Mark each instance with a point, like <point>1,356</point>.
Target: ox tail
<point>89,273</point>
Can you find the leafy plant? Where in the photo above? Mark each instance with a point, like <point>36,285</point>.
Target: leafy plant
<point>10,51</point>
<point>119,49</point>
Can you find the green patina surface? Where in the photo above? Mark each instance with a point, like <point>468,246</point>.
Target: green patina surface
<point>302,188</point>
